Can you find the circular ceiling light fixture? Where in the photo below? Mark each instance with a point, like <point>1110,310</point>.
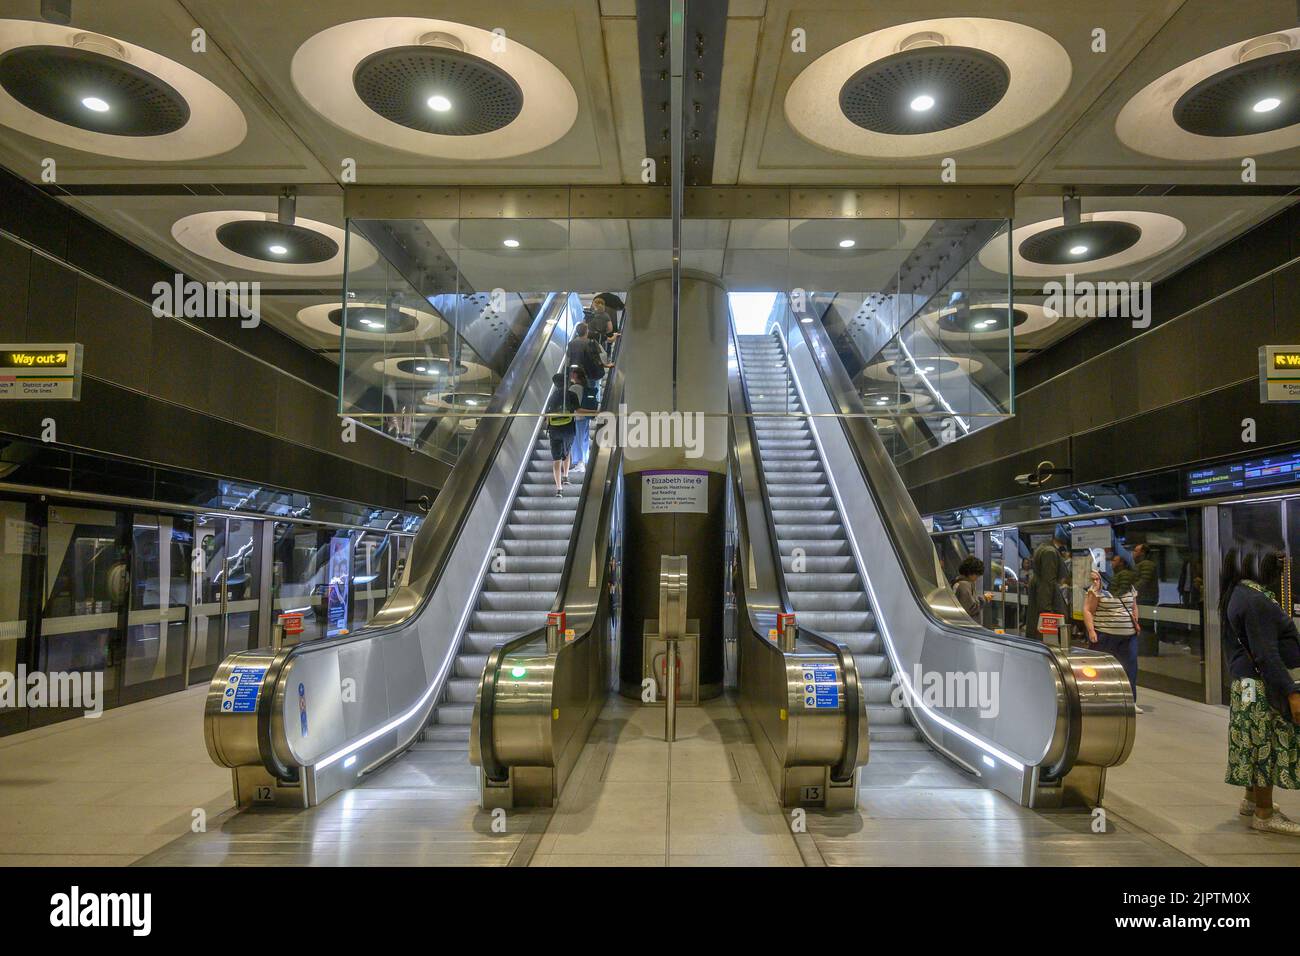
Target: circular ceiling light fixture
<point>1239,100</point>
<point>981,318</point>
<point>273,241</point>
<point>432,371</point>
<point>435,87</point>
<point>74,86</point>
<point>1244,99</point>
<point>1066,245</point>
<point>510,243</point>
<point>924,90</point>
<point>106,96</point>
<point>249,239</point>
<point>374,321</point>
<point>1156,234</point>
<point>395,83</point>
<point>928,88</point>
<point>909,372</point>
<point>848,243</point>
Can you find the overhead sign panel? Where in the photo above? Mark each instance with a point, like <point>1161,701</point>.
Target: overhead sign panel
<point>40,372</point>
<point>1279,373</point>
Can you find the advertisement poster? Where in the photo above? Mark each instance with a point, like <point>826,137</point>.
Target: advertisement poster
<point>340,576</point>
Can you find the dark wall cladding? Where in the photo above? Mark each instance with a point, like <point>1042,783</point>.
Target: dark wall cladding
<point>51,226</point>
<point>169,393</point>
<point>1267,246</point>
<point>1168,398</point>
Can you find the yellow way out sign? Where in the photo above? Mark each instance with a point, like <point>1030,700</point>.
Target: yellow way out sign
<point>40,372</point>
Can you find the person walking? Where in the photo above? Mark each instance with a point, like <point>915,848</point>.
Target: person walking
<point>561,409</point>
<point>1262,649</point>
<point>1110,618</point>
<point>1047,570</point>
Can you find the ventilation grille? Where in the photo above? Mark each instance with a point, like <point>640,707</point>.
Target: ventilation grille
<point>1223,104</point>
<point>965,84</point>
<point>254,238</point>
<point>1103,239</point>
<point>397,84</point>
<point>53,81</point>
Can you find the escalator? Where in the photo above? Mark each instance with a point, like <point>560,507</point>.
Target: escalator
<point>820,574</point>
<point>520,587</point>
<point>817,490</point>
<point>300,723</point>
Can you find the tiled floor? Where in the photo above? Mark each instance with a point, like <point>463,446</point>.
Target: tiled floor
<point>124,788</point>
<point>634,800</point>
<point>1172,787</point>
<point>107,791</point>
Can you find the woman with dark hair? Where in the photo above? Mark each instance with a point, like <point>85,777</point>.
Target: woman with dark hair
<point>970,571</point>
<point>1262,648</point>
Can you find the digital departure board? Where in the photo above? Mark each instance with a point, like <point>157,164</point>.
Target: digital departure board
<point>40,372</point>
<point>1236,477</point>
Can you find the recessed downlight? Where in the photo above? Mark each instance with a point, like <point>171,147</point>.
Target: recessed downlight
<point>1267,105</point>
<point>438,103</point>
<point>510,243</point>
<point>848,243</point>
<point>1078,250</point>
<point>414,86</point>
<point>95,103</point>
<point>277,249</point>
<point>922,103</point>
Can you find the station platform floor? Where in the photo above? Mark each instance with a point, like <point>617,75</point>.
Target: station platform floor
<point>127,788</point>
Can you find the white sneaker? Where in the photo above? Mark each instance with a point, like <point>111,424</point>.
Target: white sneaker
<point>1138,710</point>
<point>1275,824</point>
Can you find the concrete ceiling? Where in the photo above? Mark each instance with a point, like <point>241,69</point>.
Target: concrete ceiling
<point>594,44</point>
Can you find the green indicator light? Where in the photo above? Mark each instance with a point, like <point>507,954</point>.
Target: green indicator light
<point>517,672</point>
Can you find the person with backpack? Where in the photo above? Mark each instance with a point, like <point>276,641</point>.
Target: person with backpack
<point>561,416</point>
<point>586,354</point>
<point>604,319</point>
<point>1262,649</point>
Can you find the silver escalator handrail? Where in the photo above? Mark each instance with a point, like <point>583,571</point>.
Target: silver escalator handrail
<point>572,591</point>
<point>432,547</point>
<point>914,549</point>
<point>750,486</point>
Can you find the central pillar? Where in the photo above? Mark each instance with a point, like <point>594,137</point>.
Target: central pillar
<point>674,463</point>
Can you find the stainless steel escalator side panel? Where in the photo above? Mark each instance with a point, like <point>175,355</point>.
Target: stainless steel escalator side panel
<point>801,748</point>
<point>534,708</point>
<point>332,709</point>
<point>1053,717</point>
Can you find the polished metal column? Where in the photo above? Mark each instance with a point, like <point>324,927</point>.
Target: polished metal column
<point>666,443</point>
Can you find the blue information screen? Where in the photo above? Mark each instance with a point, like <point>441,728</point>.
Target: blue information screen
<point>1233,477</point>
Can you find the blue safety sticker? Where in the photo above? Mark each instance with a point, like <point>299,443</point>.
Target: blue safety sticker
<point>242,689</point>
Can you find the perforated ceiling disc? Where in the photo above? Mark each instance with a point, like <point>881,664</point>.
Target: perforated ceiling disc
<point>924,90</point>
<point>1084,242</point>
<point>980,319</point>
<point>92,91</point>
<point>264,238</point>
<point>429,366</point>
<point>1225,104</point>
<point>473,95</point>
<point>367,318</point>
